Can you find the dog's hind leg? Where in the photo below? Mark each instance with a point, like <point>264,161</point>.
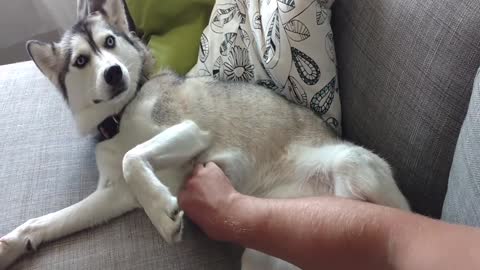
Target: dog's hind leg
<point>172,148</point>
<point>353,172</point>
<point>100,206</point>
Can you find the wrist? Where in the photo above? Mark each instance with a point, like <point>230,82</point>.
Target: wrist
<point>238,218</point>
<point>404,230</point>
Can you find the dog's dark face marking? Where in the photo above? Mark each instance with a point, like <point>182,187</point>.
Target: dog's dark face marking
<point>83,28</point>
<point>63,73</point>
<point>98,64</point>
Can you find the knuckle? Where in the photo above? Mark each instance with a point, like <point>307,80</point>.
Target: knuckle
<point>211,164</point>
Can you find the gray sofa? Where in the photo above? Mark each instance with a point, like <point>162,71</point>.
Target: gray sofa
<point>406,71</point>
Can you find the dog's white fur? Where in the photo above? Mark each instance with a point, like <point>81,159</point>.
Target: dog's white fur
<point>267,146</point>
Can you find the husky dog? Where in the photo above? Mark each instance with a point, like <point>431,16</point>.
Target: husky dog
<point>267,146</point>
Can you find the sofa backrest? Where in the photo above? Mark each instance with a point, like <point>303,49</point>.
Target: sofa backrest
<point>406,70</point>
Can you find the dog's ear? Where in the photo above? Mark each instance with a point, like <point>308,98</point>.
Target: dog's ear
<point>83,9</point>
<point>114,11</point>
<point>45,56</point>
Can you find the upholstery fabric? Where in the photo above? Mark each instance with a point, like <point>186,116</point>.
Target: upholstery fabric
<point>463,196</point>
<point>405,71</point>
<point>284,45</point>
<point>45,166</point>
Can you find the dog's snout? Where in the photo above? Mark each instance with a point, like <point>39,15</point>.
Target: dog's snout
<point>113,75</point>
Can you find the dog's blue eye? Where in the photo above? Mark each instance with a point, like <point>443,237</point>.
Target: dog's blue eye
<point>81,61</point>
<point>110,42</point>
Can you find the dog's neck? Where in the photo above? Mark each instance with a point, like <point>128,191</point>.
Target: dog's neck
<point>110,127</point>
<point>105,118</point>
<point>88,119</point>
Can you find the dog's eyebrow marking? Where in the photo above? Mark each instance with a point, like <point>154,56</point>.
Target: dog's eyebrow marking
<point>63,74</point>
<point>83,28</point>
<point>54,49</point>
<point>126,38</point>
<point>29,246</point>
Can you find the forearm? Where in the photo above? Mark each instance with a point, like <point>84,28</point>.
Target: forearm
<point>334,234</point>
<point>337,234</point>
<point>327,232</point>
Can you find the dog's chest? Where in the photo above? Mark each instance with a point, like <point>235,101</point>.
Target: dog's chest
<point>136,128</point>
<point>110,155</point>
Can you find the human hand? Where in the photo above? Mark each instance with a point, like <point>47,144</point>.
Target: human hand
<point>207,198</point>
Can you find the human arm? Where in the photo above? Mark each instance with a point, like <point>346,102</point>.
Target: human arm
<point>329,232</point>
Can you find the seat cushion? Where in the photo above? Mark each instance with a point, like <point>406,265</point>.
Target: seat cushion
<point>405,71</point>
<point>45,166</point>
<point>463,196</point>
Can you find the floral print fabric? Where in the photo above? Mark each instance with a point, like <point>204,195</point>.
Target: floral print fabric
<point>284,45</point>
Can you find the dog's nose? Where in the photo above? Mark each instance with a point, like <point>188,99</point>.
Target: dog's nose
<point>113,75</point>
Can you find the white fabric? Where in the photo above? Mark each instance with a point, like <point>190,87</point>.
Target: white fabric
<point>285,45</point>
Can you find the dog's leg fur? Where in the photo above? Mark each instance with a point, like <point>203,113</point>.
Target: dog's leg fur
<point>173,147</point>
<point>100,206</point>
<point>360,174</point>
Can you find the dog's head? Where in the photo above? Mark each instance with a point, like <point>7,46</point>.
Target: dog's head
<point>97,65</point>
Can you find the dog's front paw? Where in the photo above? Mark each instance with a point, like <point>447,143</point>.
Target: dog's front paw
<point>23,239</point>
<point>167,219</point>
<point>11,248</point>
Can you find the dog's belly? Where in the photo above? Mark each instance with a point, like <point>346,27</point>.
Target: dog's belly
<point>271,177</point>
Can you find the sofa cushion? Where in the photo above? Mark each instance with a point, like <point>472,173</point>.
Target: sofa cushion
<point>172,29</point>
<point>45,166</point>
<point>405,71</point>
<point>463,196</point>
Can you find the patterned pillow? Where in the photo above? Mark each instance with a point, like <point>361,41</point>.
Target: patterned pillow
<point>284,45</point>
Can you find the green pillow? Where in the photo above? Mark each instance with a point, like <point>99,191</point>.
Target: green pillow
<point>172,29</point>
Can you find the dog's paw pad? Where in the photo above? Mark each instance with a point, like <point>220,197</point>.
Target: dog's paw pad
<point>177,232</point>
<point>29,247</point>
<point>174,213</point>
<point>170,228</point>
<point>167,218</point>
